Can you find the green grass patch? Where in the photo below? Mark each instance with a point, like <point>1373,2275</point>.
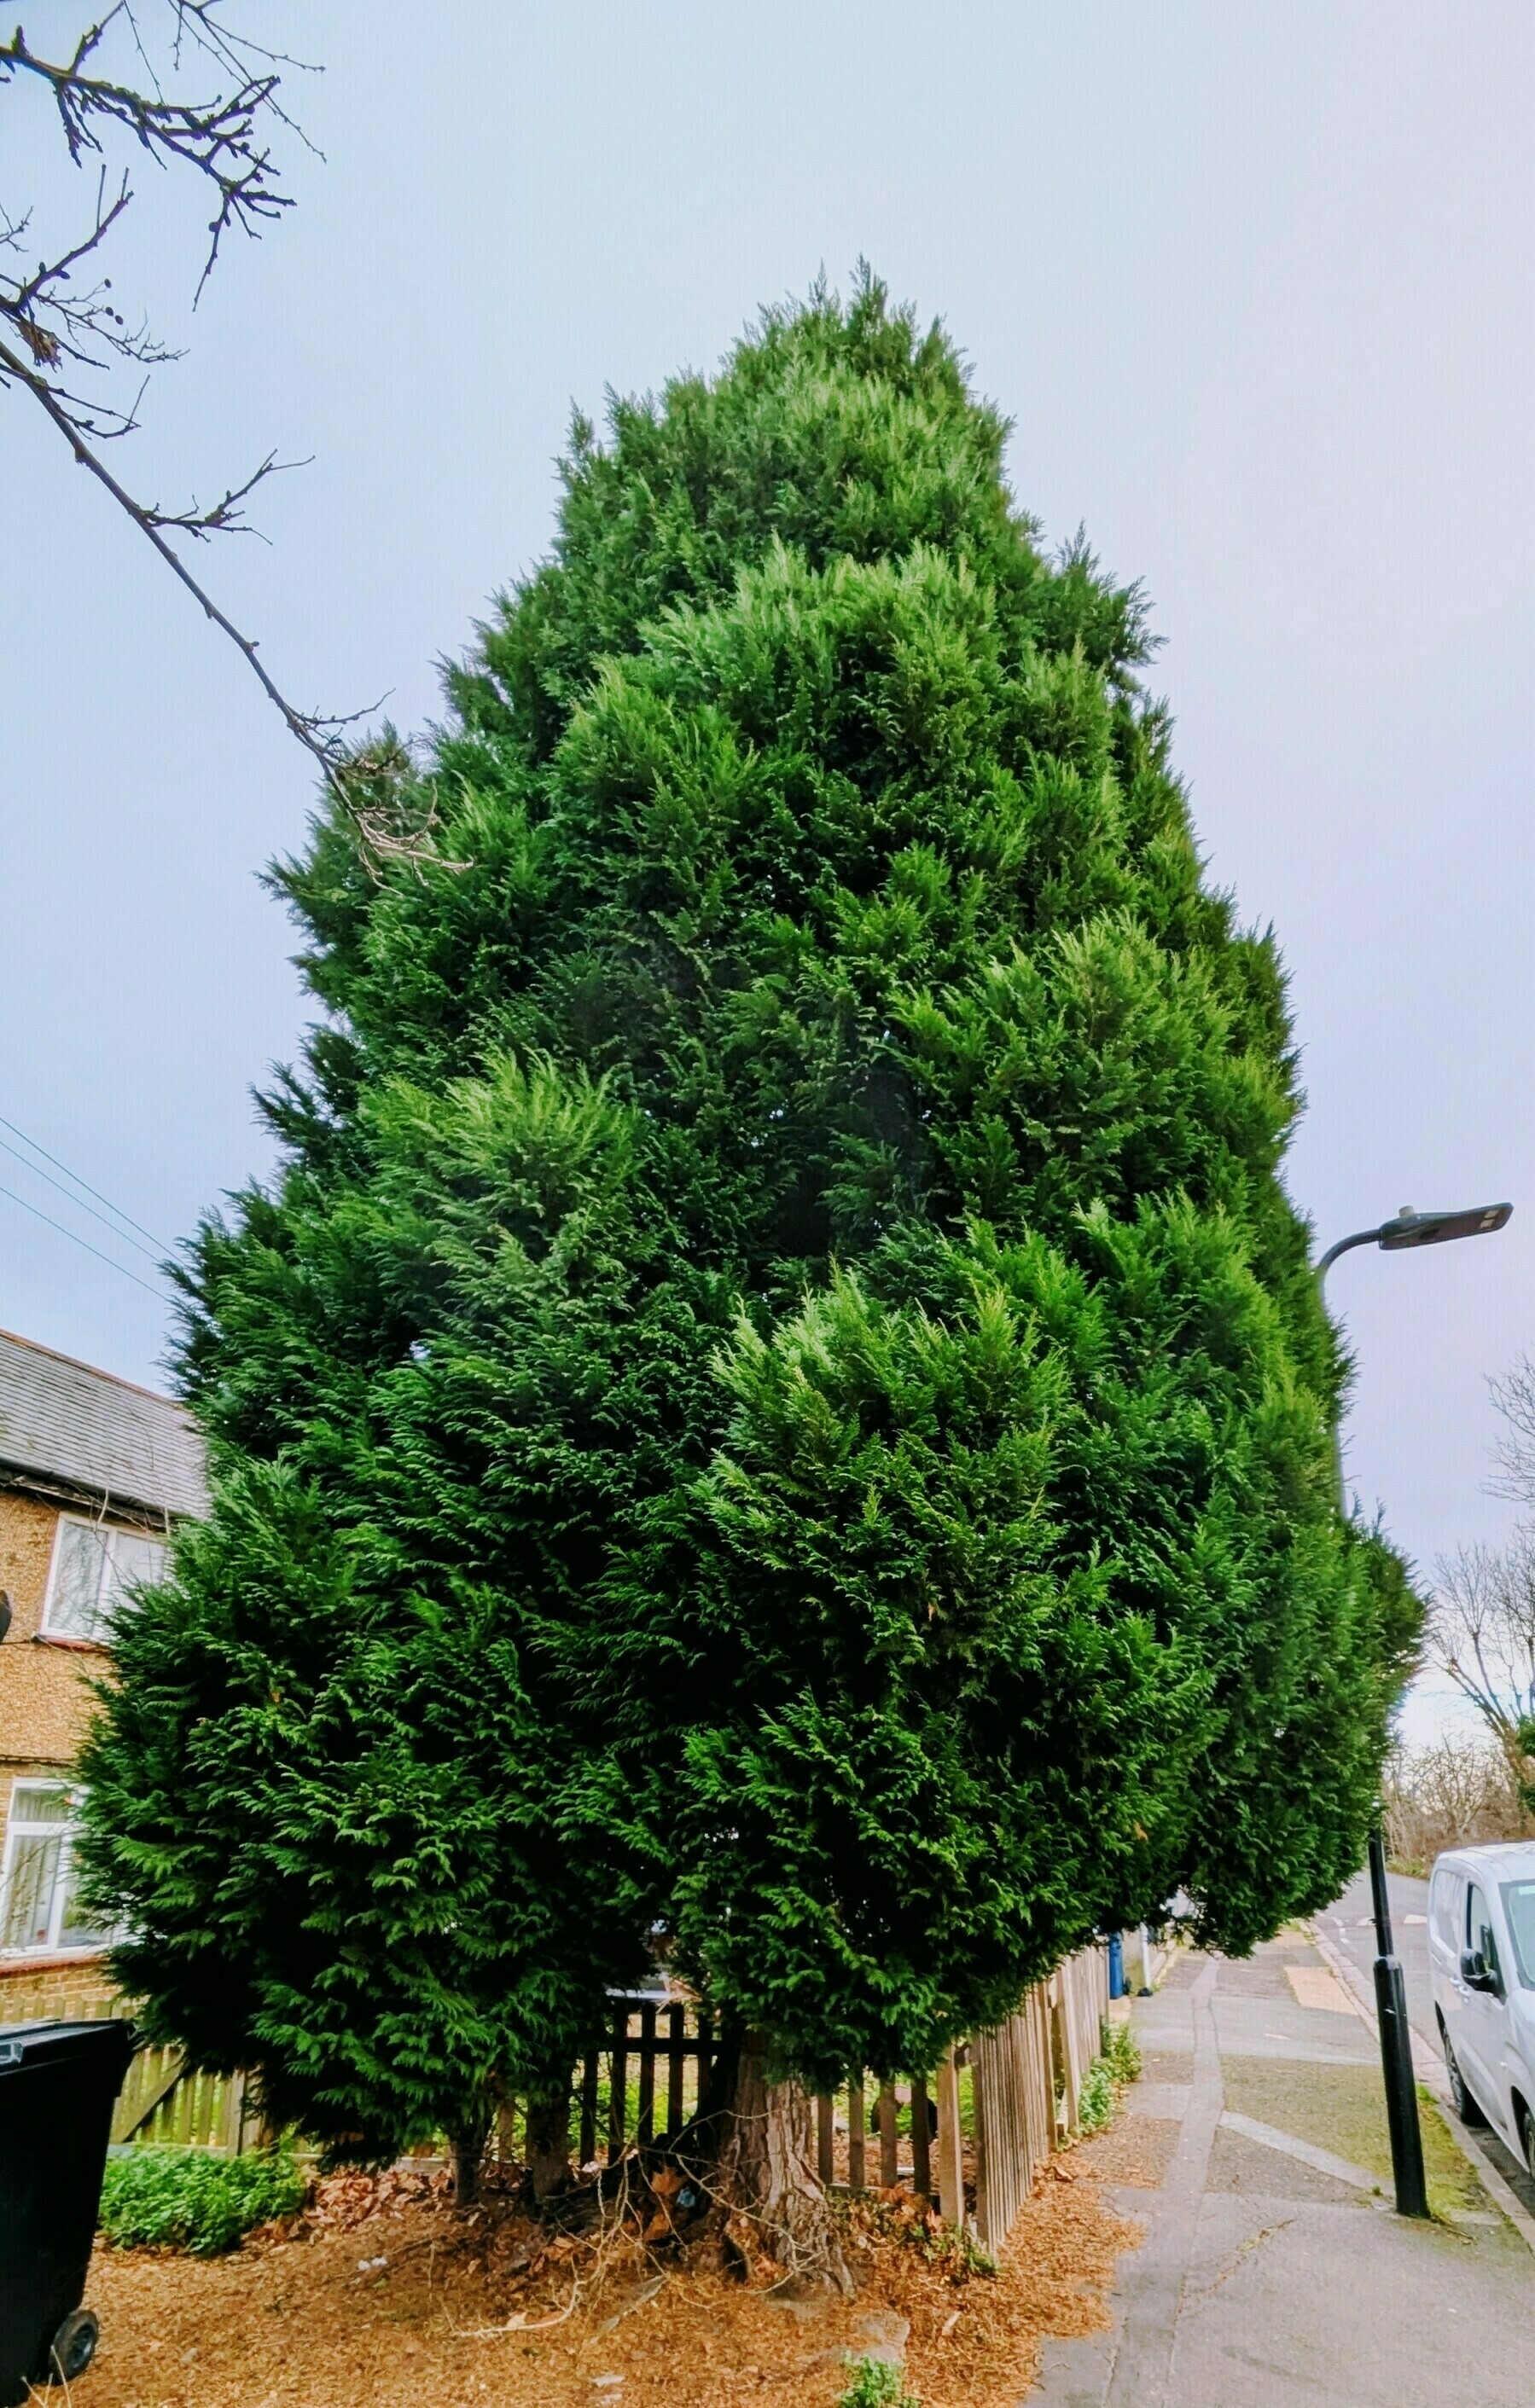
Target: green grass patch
<point>1342,2107</point>
<point>190,2199</point>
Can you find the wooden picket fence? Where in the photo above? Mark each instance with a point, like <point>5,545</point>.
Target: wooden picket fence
<point>990,2116</point>
<point>972,2136</point>
<point>656,2059</point>
<point>1028,2077</point>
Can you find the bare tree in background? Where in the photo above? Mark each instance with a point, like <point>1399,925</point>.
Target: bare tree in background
<point>1515,1453</point>
<point>1482,1636</point>
<point>1456,1793</point>
<point>67,343</point>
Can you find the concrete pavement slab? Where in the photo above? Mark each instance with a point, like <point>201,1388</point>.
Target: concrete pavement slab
<point>1322,2161</point>
<point>1271,2277</point>
<point>1291,2302</point>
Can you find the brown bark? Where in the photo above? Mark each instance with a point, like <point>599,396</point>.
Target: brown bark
<point>466,2150</point>
<point>548,2146</point>
<point>779,2223</point>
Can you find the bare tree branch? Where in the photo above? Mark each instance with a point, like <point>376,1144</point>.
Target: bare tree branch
<point>1482,1637</point>
<point>63,338</point>
<point>1514,1398</point>
<point>1457,1793</point>
<point>219,137</point>
<point>306,727</point>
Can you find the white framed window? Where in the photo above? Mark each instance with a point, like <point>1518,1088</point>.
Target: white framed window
<point>39,1889</point>
<point>92,1568</point>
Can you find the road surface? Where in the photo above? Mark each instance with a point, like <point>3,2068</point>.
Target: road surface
<point>1350,1924</point>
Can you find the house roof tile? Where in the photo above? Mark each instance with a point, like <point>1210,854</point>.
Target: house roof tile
<point>62,1421</point>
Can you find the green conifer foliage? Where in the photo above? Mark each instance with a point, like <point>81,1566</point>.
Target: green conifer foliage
<point>779,1395</point>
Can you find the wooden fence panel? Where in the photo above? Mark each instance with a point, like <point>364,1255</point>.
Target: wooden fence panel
<point>855,2133</point>
<point>162,2102</point>
<point>921,2167</point>
<point>1040,2101</point>
<point>951,2145</point>
<point>1027,2084</point>
<point>1086,1981</point>
<point>647,2034</point>
<point>1028,2076</point>
<point>152,2074</point>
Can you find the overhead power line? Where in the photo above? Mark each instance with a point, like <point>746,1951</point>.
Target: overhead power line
<point>78,1202</point>
<point>40,1215</point>
<point>160,1249</point>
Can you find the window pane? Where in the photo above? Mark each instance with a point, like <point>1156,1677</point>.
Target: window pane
<point>1519,1906</point>
<point>133,1559</point>
<point>77,1581</point>
<point>1478,1922</point>
<point>77,1930</point>
<point>40,1802</point>
<point>28,1908</point>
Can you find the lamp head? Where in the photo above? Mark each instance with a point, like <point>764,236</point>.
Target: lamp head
<point>1411,1228</point>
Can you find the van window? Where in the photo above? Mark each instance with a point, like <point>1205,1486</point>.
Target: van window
<point>1519,1906</point>
<point>1444,1906</point>
<point>1481,1936</point>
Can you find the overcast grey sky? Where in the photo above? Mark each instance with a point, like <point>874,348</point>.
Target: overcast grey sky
<point>1255,286</point>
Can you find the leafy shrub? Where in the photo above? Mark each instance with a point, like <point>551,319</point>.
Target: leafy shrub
<point>1095,2098</point>
<point>1107,2076</point>
<point>190,2198</point>
<point>1121,2053</point>
<point>875,2385</point>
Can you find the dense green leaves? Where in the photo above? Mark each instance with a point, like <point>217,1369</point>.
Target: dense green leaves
<point>778,1400</point>
<point>159,2197</point>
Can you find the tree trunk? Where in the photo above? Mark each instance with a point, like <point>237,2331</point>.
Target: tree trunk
<point>465,2149</point>
<point>779,2222</point>
<point>548,2146</point>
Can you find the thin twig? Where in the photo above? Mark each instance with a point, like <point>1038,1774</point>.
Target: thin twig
<point>308,730</point>
<point>57,331</point>
<point>217,138</point>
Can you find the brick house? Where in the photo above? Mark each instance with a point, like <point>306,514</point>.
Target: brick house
<point>95,1472</point>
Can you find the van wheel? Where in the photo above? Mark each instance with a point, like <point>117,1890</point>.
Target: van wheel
<point>1527,2136</point>
<point>1460,2098</point>
<point>74,2346</point>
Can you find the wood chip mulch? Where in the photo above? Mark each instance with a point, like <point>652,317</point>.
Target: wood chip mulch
<point>1134,2151</point>
<point>382,2292</point>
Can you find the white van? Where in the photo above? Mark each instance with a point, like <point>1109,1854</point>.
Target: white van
<point>1482,1956</point>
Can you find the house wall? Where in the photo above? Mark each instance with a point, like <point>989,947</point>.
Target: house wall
<point>59,1989</point>
<point>46,1706</point>
<point>44,1697</point>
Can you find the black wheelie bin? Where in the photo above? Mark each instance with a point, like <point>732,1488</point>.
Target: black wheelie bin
<point>58,2085</point>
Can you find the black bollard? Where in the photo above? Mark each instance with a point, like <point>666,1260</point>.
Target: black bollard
<point>1401,2096</point>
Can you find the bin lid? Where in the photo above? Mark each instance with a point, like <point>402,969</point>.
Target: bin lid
<point>44,2043</point>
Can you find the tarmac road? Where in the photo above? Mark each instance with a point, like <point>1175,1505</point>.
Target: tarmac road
<point>1350,1924</point>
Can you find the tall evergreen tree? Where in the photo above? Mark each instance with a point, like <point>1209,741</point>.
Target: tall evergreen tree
<point>778,1398</point>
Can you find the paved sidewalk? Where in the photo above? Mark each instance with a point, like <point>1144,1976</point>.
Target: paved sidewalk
<point>1274,2273</point>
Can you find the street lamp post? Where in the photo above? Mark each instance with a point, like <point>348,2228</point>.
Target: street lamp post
<point>1409,1229</point>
